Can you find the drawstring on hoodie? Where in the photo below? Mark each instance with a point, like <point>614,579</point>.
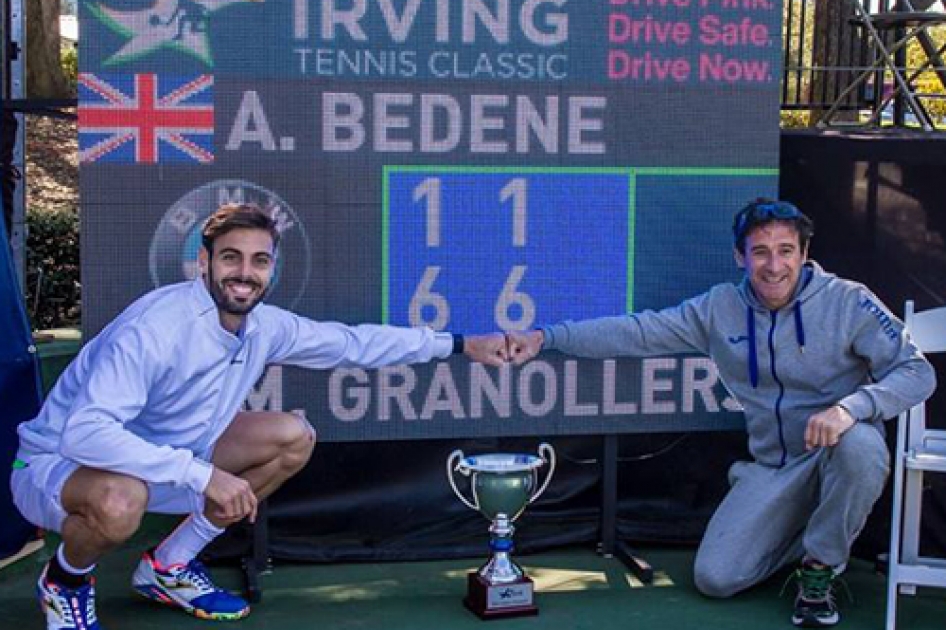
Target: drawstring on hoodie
<point>799,328</point>
<point>753,357</point>
<point>750,333</point>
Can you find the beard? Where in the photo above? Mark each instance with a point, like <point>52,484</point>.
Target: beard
<point>228,304</point>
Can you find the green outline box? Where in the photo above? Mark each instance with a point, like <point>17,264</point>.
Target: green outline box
<point>632,173</point>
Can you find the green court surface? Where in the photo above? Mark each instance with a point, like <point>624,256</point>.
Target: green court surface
<point>576,588</point>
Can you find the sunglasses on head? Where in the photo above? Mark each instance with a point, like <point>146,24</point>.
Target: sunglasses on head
<point>762,212</point>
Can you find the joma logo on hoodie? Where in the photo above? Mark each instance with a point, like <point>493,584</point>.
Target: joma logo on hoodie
<point>882,318</point>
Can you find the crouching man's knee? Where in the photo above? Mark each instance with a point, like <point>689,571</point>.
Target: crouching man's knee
<point>861,453</point>
<point>115,505</point>
<point>298,443</point>
<point>717,573</point>
<point>712,582</point>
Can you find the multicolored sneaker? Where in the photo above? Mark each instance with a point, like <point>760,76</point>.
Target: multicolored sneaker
<point>187,586</point>
<point>815,605</point>
<point>67,608</point>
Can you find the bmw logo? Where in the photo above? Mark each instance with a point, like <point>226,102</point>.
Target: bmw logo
<point>176,241</point>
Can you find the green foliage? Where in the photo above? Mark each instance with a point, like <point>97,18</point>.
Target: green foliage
<point>936,107</point>
<point>928,82</point>
<point>53,290</point>
<point>70,66</point>
<point>795,118</point>
<point>798,17</point>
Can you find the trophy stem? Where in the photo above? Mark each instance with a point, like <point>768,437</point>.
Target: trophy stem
<point>500,569</point>
<point>500,588</point>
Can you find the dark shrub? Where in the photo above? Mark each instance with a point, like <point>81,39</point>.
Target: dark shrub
<point>53,287</point>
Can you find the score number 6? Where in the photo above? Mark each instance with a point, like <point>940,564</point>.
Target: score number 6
<point>425,299</point>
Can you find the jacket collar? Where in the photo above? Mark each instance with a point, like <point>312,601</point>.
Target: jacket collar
<point>206,309</point>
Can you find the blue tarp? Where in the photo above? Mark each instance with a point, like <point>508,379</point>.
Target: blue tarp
<point>20,393</point>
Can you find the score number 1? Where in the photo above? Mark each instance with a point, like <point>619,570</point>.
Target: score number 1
<point>479,249</point>
<point>425,299</point>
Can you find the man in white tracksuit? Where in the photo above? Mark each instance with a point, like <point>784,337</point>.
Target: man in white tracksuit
<point>148,418</point>
<point>818,363</point>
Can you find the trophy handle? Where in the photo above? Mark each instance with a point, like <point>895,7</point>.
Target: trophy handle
<point>547,453</point>
<point>457,456</point>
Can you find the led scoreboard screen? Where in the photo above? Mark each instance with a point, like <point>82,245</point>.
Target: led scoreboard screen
<point>468,165</point>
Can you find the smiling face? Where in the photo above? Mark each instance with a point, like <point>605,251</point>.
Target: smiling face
<point>773,260</point>
<point>238,272</point>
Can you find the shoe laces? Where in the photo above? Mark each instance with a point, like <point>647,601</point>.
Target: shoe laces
<point>62,603</point>
<point>68,602</point>
<point>816,584</point>
<point>195,575</point>
<point>90,608</point>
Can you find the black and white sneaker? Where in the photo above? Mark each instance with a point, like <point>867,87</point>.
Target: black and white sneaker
<point>815,605</point>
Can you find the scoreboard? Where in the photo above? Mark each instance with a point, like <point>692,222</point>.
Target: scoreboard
<point>467,165</point>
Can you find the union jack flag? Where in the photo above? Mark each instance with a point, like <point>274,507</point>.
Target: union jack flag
<point>146,118</point>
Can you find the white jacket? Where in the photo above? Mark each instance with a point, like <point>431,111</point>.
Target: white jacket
<point>153,392</point>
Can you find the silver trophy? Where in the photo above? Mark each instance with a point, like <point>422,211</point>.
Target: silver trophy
<point>502,485</point>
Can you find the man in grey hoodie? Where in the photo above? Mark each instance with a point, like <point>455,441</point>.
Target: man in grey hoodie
<point>818,363</point>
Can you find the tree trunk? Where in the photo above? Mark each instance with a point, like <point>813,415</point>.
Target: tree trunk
<point>44,76</point>
<point>833,48</point>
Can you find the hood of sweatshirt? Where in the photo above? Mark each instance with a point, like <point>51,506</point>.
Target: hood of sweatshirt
<point>811,280</point>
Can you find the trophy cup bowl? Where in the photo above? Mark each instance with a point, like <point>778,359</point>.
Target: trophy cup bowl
<point>501,485</point>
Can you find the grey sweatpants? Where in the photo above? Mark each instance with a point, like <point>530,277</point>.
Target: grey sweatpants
<point>815,505</point>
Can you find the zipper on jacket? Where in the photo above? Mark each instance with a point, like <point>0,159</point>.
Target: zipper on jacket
<point>237,361</point>
<point>781,389</point>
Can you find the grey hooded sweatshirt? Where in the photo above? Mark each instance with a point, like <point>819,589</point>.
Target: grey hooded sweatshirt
<point>834,343</point>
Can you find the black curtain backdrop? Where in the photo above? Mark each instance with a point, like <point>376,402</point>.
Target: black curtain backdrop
<point>879,205</point>
<point>392,501</point>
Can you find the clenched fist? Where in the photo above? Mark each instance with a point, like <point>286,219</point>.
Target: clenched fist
<point>825,428</point>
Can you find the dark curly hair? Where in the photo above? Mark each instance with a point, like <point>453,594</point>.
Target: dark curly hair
<point>235,216</point>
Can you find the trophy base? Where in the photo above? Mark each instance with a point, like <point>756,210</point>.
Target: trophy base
<point>499,601</point>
